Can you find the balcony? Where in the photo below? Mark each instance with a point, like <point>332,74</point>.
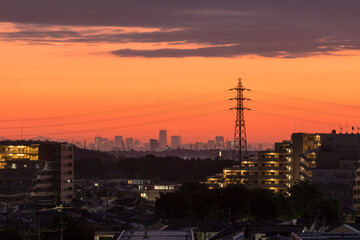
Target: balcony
<point>42,177</point>
<point>267,185</point>
<point>41,194</point>
<point>261,168</point>
<point>267,160</point>
<point>272,177</point>
<point>44,185</point>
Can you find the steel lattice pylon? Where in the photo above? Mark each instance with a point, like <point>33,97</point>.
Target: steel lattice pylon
<point>240,142</point>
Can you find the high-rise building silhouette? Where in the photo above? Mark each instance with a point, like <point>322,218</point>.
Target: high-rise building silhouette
<point>101,143</point>
<point>162,140</point>
<point>219,142</point>
<point>119,142</point>
<point>175,142</point>
<point>137,145</point>
<point>154,144</point>
<point>129,143</point>
<point>210,144</point>
<point>261,147</point>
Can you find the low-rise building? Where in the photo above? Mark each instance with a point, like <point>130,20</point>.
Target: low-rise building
<point>152,191</point>
<point>158,235</point>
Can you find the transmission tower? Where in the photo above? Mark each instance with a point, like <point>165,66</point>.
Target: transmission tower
<point>240,142</point>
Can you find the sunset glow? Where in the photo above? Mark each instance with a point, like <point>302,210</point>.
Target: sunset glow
<point>69,82</point>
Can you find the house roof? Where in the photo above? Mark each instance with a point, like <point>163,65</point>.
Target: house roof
<point>158,235</point>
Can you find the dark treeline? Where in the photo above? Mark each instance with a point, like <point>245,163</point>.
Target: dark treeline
<point>238,203</point>
<point>150,167</point>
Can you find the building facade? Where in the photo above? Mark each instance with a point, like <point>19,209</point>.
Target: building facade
<point>43,171</point>
<point>219,142</point>
<point>119,142</point>
<point>270,169</point>
<point>330,160</point>
<point>129,143</point>
<point>175,142</point>
<point>153,145</point>
<point>162,140</point>
<point>338,168</point>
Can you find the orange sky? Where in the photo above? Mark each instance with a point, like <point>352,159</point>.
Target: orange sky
<point>43,81</point>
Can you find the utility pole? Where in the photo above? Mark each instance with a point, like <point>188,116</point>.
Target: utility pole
<point>240,142</point>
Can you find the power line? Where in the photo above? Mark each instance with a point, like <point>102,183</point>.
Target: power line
<point>131,125</point>
<point>306,100</point>
<point>306,110</point>
<point>206,105</point>
<point>132,108</point>
<point>293,118</point>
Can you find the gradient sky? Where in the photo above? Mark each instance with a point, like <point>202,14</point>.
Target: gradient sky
<point>79,69</point>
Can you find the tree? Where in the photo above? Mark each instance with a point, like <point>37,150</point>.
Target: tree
<point>306,197</point>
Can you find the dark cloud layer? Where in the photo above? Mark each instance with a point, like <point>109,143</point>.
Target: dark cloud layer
<point>225,28</point>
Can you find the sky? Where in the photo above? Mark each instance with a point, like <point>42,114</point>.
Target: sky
<point>80,69</point>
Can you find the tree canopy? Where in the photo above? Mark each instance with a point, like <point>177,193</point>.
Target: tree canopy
<point>238,203</point>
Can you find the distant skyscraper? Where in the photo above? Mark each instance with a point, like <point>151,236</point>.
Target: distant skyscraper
<point>119,142</point>
<point>110,145</point>
<point>101,143</point>
<point>162,139</point>
<point>175,141</point>
<point>261,147</point>
<point>229,145</point>
<point>137,145</point>
<point>199,146</point>
<point>210,144</point>
<point>154,145</point>
<point>129,143</point>
<point>219,142</point>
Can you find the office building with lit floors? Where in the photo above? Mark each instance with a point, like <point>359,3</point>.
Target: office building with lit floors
<point>41,172</point>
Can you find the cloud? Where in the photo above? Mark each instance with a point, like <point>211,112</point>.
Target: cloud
<point>222,51</point>
<point>219,28</point>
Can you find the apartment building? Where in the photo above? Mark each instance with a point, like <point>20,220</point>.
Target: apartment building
<point>333,158</point>
<point>43,171</point>
<point>270,169</point>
